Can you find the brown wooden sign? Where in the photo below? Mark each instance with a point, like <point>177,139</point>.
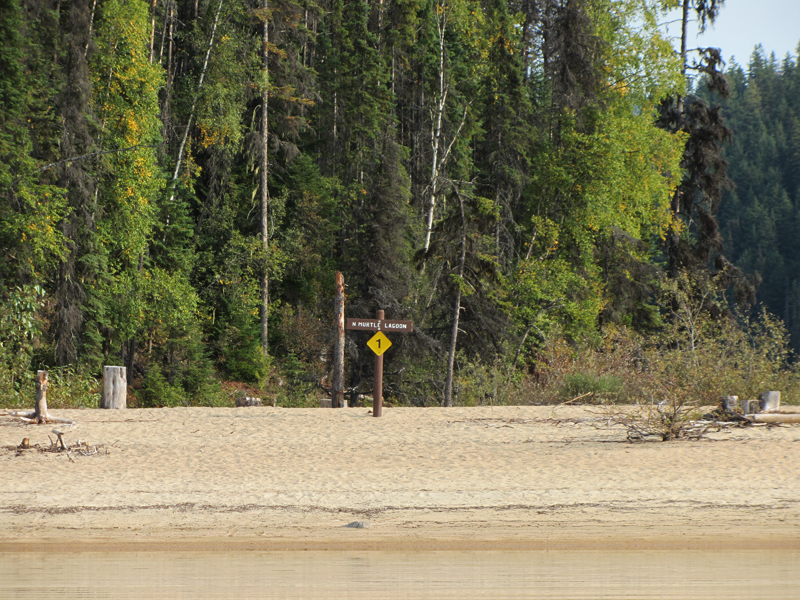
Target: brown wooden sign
<point>380,325</point>
<point>378,344</point>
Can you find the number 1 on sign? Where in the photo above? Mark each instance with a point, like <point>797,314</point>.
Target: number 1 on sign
<point>379,343</point>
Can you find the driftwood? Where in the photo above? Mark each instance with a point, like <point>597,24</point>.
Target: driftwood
<point>40,415</point>
<point>60,434</point>
<point>775,418</point>
<point>58,446</point>
<point>247,401</point>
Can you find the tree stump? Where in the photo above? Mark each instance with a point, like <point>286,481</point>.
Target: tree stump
<point>115,388</point>
<point>770,402</point>
<point>749,407</point>
<point>730,404</point>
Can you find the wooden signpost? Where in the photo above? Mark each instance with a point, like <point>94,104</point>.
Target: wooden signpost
<point>379,344</point>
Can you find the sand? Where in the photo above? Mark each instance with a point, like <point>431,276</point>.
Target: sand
<point>417,478</point>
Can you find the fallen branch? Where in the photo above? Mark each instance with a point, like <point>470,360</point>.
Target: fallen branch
<point>31,419</point>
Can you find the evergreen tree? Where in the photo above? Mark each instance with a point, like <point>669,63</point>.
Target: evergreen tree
<point>759,218</point>
<point>694,241</point>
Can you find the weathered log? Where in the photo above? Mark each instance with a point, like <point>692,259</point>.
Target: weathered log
<point>325,403</point>
<point>769,401</point>
<point>248,401</point>
<point>776,418</point>
<point>115,388</point>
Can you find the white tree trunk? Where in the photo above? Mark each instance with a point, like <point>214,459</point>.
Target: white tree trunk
<point>194,104</point>
<point>115,388</point>
<point>436,126</point>
<point>337,393</point>
<point>264,184</point>
<point>448,386</point>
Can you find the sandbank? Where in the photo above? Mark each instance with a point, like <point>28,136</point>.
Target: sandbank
<point>483,478</point>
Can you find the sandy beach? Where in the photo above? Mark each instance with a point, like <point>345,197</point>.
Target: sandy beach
<point>416,478</point>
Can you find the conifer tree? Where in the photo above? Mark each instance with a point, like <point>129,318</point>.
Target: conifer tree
<point>694,241</point>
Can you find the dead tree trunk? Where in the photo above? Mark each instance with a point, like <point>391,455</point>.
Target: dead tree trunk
<point>337,394</point>
<point>40,416</point>
<point>115,388</point>
<point>40,408</point>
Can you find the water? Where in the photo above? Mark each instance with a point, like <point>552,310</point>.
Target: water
<point>401,575</point>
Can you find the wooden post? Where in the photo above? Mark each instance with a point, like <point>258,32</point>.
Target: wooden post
<point>115,388</point>
<point>337,394</point>
<point>40,410</point>
<point>377,386</point>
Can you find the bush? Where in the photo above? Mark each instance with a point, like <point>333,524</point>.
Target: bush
<point>726,356</point>
<point>19,330</point>
<point>590,386</point>
<point>300,388</point>
<point>157,391</point>
<point>479,384</point>
<point>70,388</point>
<point>242,358</point>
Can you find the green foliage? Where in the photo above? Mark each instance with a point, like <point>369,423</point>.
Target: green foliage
<point>31,204</point>
<point>243,358</point>
<point>524,129</point>
<point>19,332</point>
<point>589,387</point>
<point>71,388</point>
<point>299,386</point>
<point>126,100</point>
<point>759,218</point>
<point>480,383</point>
<point>157,391</point>
<point>678,370</point>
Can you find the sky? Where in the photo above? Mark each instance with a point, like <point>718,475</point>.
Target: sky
<point>741,24</point>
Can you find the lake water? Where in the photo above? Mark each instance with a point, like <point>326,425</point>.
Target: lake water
<point>401,575</point>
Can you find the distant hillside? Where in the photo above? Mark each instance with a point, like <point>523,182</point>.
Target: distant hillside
<point>760,218</point>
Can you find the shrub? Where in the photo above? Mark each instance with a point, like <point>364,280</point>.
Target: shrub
<point>590,386</point>
<point>71,388</point>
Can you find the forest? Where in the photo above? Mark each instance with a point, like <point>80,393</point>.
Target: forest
<point>567,204</point>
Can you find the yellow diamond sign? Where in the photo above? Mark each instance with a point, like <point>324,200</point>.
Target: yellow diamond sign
<point>379,343</point>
